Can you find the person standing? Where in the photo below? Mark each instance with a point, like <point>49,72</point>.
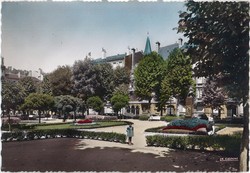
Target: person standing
<point>130,134</point>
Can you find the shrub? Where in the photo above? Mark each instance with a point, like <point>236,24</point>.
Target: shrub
<point>143,117</point>
<point>69,133</point>
<point>230,144</point>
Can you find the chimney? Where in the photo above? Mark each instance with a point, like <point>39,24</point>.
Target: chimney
<point>129,52</point>
<point>133,60</point>
<point>158,45</point>
<point>180,42</point>
<point>103,53</point>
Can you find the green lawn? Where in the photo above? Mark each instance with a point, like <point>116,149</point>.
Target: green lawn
<point>72,126</point>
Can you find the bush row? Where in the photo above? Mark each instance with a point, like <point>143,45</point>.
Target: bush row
<point>143,117</point>
<point>69,133</point>
<point>169,118</point>
<point>227,143</point>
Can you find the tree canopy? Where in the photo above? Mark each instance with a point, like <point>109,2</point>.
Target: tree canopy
<point>28,84</point>
<point>95,103</point>
<point>84,79</point>
<point>213,96</point>
<point>60,81</point>
<point>105,79</point>
<point>119,101</point>
<point>13,95</point>
<point>178,78</point>
<point>218,43</point>
<point>148,75</point>
<point>40,102</point>
<point>121,76</point>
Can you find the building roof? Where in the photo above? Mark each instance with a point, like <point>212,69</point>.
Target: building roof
<point>147,49</point>
<point>109,59</point>
<point>166,50</point>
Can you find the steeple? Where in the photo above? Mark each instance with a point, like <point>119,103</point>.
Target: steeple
<point>147,47</point>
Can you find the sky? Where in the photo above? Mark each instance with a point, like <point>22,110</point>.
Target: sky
<point>50,34</point>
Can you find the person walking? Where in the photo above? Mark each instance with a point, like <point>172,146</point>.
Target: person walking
<point>130,134</point>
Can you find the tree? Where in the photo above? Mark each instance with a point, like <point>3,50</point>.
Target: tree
<point>218,43</point>
<point>121,89</point>
<point>178,79</point>
<point>121,76</point>
<point>67,103</point>
<point>213,95</point>
<point>12,97</point>
<point>104,81</point>
<point>148,75</point>
<point>165,93</point>
<point>60,81</point>
<point>119,101</point>
<point>95,103</point>
<point>40,102</point>
<point>29,85</point>
<point>84,79</point>
<point>45,86</point>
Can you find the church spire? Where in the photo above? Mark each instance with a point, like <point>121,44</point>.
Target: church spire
<point>147,49</point>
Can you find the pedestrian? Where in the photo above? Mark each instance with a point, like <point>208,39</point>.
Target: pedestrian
<point>130,134</point>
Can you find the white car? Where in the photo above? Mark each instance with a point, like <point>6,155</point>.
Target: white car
<point>154,118</point>
<point>32,117</point>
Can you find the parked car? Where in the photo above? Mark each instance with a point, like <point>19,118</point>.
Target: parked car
<point>154,118</point>
<point>32,117</point>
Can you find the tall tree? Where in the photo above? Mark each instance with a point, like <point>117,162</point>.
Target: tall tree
<point>178,76</point>
<point>148,76</point>
<point>105,81</point>
<point>218,43</point>
<point>121,76</point>
<point>84,79</point>
<point>60,81</point>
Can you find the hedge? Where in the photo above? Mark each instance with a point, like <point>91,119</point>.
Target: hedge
<point>69,133</point>
<point>226,143</point>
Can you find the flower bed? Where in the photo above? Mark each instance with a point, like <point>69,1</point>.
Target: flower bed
<point>190,125</point>
<point>84,122</point>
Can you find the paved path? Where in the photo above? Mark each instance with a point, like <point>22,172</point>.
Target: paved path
<point>138,140</point>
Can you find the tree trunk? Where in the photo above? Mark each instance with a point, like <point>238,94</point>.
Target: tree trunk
<point>39,115</point>
<point>244,150</point>
<point>177,106</point>
<point>75,116</point>
<point>9,122</point>
<point>149,106</point>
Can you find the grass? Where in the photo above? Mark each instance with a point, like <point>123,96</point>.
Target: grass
<point>72,126</point>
